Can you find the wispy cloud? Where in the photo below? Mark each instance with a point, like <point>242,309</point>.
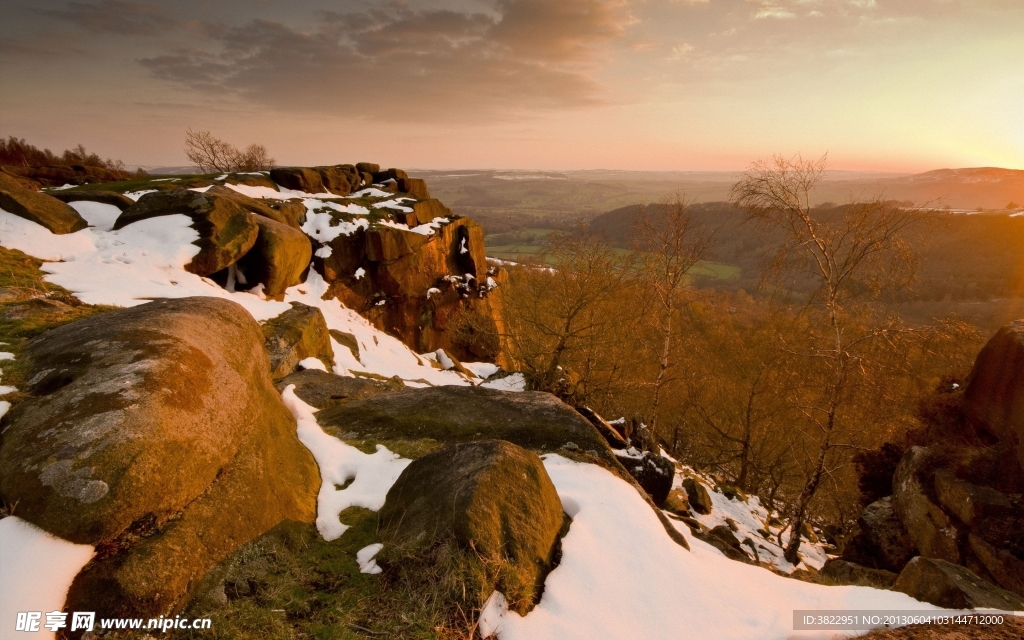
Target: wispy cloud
<point>394,62</point>
<point>114,16</point>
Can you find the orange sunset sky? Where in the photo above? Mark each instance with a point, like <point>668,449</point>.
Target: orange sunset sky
<point>891,85</point>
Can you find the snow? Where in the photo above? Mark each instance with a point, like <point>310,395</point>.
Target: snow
<point>313,204</point>
<point>749,516</point>
<point>365,558</point>
<point>431,291</point>
<point>443,359</point>
<point>392,204</point>
<point>350,478</point>
<point>321,226</point>
<point>312,363</point>
<point>37,570</point>
<point>482,369</point>
<point>145,260</point>
<point>360,272</point>
<point>621,576</point>
<point>324,251</point>
<point>6,355</point>
<point>99,215</point>
<point>5,406</point>
<point>513,382</point>
<point>135,195</point>
<point>65,186</point>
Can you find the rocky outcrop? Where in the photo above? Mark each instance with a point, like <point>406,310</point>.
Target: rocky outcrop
<point>265,208</point>
<point>118,200</point>
<point>297,334</point>
<point>321,390</point>
<point>492,499</point>
<point>838,571</point>
<point>951,586</point>
<point>38,207</point>
<point>427,289</point>
<point>699,498</point>
<point>59,175</point>
<point>933,531</point>
<point>278,259</point>
<point>652,472</point>
<point>449,415</point>
<point>298,179</point>
<point>226,230</point>
<point>994,398</point>
<point>881,541</point>
<point>155,434</point>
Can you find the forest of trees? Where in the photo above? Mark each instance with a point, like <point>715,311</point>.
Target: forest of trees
<point>777,390</point>
<point>19,153</point>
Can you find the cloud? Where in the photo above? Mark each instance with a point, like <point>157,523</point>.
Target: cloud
<point>397,63</point>
<point>114,16</point>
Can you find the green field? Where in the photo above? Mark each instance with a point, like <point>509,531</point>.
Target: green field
<point>535,247</point>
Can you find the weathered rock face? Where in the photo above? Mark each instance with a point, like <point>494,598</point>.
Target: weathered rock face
<point>59,175</point>
<point>259,207</point>
<point>699,498</point>
<point>321,390</point>
<point>298,179</point>
<point>430,291</point>
<point>882,542</point>
<point>994,398</point>
<point>226,230</point>
<point>948,585</point>
<point>279,258</point>
<point>677,502</point>
<point>490,496</point>
<point>38,207</point>
<point>118,200</point>
<point>155,434</point>
<point>652,472</point>
<point>533,420</point>
<point>934,533</point>
<point>297,334</point>
<point>611,434</point>
<point>838,571</point>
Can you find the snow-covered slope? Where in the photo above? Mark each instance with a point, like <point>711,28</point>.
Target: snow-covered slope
<point>620,575</point>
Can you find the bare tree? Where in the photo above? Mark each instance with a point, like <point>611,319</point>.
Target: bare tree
<point>670,246</point>
<point>851,256</point>
<point>568,316</point>
<point>213,154</point>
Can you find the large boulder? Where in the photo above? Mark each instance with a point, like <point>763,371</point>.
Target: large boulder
<point>279,258</point>
<point>881,541</point>
<point>450,414</point>
<point>226,230</point>
<point>321,390</point>
<point>493,499</point>
<point>837,571</point>
<point>336,180</point>
<point>155,434</point>
<point>415,187</point>
<point>252,205</point>
<point>38,207</point>
<point>652,472</point>
<point>297,334</point>
<point>699,498</point>
<point>114,198</point>
<point>298,179</point>
<point>951,586</point>
<point>933,531</point>
<point>969,503</point>
<point>1006,569</point>
<point>994,399</point>
<point>430,291</point>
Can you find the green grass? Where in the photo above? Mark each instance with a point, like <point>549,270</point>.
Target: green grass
<point>30,306</point>
<point>536,252</point>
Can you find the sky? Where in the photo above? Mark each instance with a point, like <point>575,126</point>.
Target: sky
<point>887,85</point>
